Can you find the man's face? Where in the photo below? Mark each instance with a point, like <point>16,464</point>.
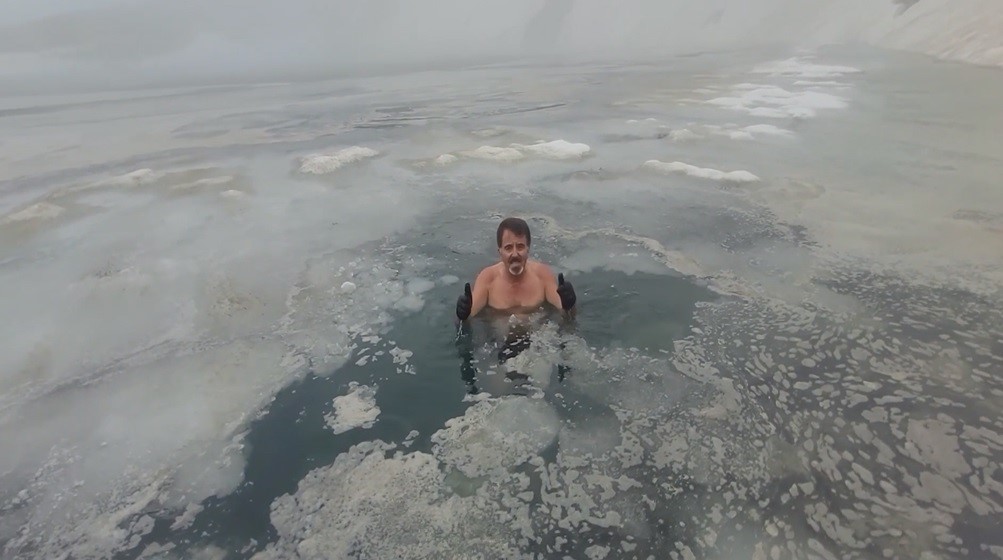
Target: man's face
<point>514,251</point>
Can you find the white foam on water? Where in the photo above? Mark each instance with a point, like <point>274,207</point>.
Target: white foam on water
<point>357,409</point>
<point>321,164</point>
<point>740,176</point>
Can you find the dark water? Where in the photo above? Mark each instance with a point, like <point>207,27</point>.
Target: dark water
<point>291,438</point>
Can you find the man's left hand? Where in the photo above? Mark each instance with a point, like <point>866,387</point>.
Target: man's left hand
<point>567,292</point>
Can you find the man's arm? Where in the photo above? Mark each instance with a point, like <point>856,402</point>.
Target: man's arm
<point>550,286</point>
<point>480,291</point>
<point>553,289</point>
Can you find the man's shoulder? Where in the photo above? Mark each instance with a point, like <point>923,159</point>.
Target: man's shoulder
<point>488,273</point>
<point>541,269</point>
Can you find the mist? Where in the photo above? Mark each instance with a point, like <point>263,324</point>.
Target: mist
<point>101,44</point>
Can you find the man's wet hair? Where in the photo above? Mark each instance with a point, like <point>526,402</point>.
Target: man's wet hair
<point>517,226</point>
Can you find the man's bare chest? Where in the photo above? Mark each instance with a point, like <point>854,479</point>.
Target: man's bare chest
<point>510,295</point>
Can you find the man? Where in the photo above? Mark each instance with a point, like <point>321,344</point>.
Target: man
<point>516,285</point>
<point>512,289</point>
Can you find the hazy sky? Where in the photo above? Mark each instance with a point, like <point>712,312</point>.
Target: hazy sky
<point>57,44</point>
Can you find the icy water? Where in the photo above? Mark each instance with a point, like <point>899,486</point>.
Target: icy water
<point>228,317</point>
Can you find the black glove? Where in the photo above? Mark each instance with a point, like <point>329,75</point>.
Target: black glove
<point>566,291</point>
<point>464,303</point>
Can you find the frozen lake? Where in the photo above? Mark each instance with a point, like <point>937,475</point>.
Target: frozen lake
<point>227,315</point>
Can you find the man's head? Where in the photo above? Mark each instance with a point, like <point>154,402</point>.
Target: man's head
<point>513,244</point>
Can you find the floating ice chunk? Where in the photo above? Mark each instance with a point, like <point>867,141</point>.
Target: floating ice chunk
<point>776,102</point>
<point>494,436</point>
<point>35,212</point>
<point>357,409</point>
<point>400,355</point>
<point>420,285</point>
<point>233,194</point>
<point>410,302</point>
<point>368,505</point>
<point>556,149</point>
<point>767,129</point>
<point>445,159</point>
<point>185,520</point>
<point>701,172</point>
<point>683,134</point>
<point>327,163</point>
<point>597,552</point>
<point>449,280</point>
<point>478,397</point>
<point>347,287</point>
<point>495,153</point>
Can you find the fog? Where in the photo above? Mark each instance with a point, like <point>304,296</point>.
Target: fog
<point>60,45</point>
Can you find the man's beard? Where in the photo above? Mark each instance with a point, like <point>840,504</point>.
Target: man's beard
<point>516,267</point>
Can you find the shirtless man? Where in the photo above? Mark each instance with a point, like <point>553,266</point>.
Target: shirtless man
<point>512,290</point>
<point>515,285</point>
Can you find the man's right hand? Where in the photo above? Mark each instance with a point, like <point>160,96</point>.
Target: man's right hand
<point>464,303</point>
